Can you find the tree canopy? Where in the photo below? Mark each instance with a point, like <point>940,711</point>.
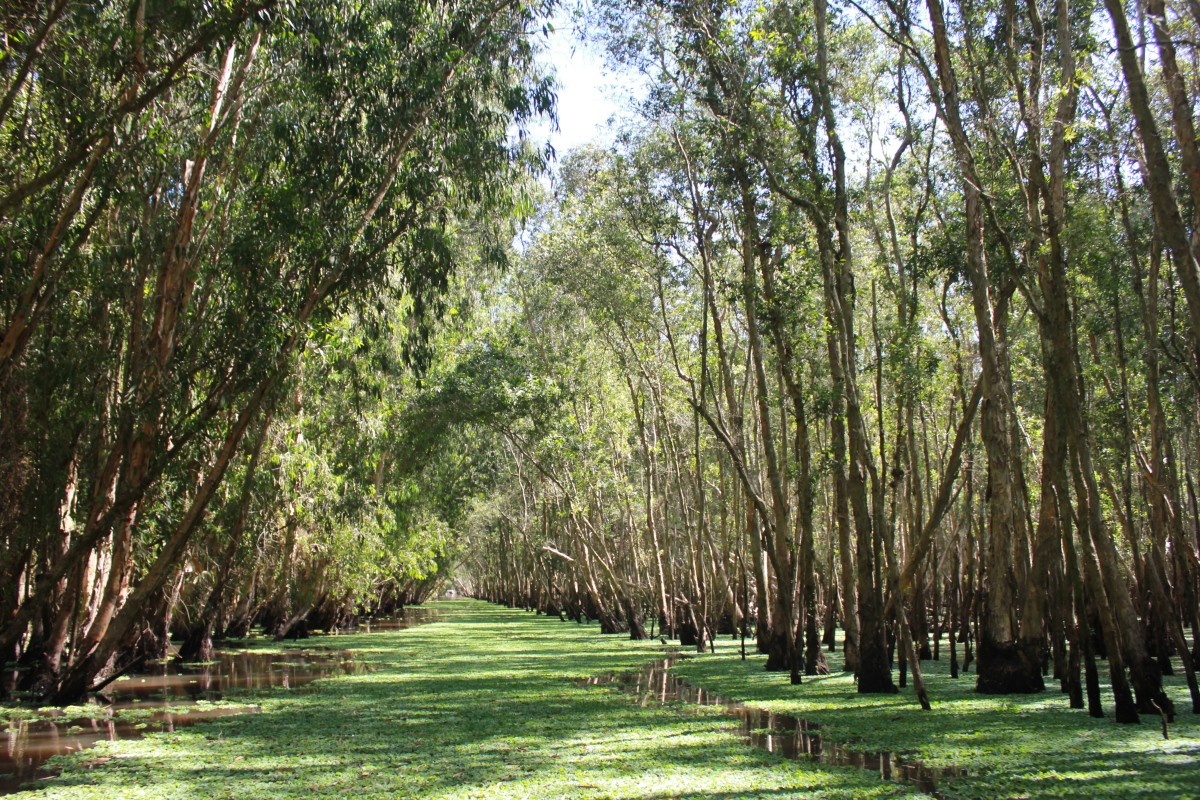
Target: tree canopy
<point>877,328</point>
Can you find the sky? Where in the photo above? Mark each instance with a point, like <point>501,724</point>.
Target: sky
<point>588,94</point>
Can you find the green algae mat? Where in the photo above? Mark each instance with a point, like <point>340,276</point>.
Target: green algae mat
<point>1027,746</point>
<point>481,705</point>
<point>485,705</point>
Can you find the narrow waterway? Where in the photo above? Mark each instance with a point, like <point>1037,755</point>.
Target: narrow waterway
<point>787,735</point>
<point>174,694</point>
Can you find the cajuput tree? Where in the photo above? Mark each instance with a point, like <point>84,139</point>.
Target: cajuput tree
<point>235,175</point>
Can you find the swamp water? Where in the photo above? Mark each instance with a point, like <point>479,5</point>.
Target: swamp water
<point>169,696</point>
<point>789,736</point>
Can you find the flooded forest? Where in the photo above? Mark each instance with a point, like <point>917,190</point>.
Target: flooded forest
<point>867,340</point>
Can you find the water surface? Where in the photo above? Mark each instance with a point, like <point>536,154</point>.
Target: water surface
<point>174,694</point>
<point>787,735</point>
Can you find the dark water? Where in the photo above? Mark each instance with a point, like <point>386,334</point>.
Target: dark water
<point>29,744</point>
<point>166,690</point>
<point>785,734</point>
<point>410,617</point>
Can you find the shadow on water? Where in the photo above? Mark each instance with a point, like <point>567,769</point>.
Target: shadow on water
<point>166,697</point>
<point>407,619</point>
<point>787,735</point>
<point>30,743</point>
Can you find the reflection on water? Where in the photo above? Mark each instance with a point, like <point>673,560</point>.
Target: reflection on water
<point>229,672</point>
<point>410,616</point>
<point>166,691</point>
<point>30,743</point>
<point>784,734</point>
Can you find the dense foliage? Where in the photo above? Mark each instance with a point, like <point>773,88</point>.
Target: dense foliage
<point>228,228</point>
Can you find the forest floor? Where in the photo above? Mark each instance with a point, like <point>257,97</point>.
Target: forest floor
<point>485,704</point>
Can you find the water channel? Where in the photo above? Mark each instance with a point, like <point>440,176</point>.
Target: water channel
<point>173,694</point>
<point>787,735</point>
